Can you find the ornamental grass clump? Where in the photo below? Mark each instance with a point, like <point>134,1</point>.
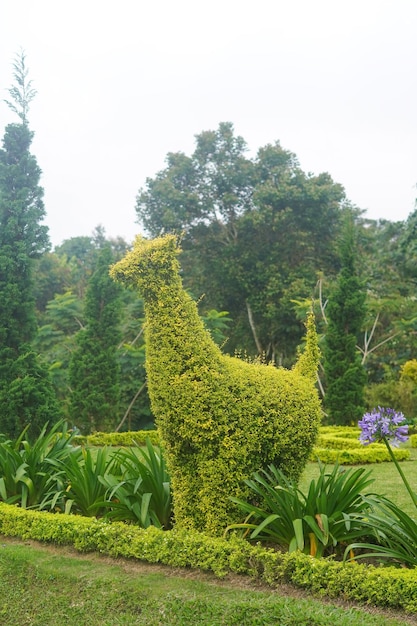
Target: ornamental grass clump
<point>317,522</point>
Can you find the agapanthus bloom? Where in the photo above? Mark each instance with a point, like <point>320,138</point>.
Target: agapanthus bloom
<point>383,424</point>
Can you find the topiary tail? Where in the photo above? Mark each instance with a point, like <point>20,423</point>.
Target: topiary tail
<point>308,360</point>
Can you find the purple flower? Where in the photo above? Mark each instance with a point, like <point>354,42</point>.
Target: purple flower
<point>383,424</point>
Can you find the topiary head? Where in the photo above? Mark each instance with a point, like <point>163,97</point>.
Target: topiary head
<point>150,265</point>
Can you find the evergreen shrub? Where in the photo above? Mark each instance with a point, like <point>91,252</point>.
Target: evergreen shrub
<point>372,454</point>
<point>128,438</point>
<point>219,418</point>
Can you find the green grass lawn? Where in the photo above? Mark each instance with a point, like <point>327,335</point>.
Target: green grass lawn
<point>43,586</point>
<point>387,480</point>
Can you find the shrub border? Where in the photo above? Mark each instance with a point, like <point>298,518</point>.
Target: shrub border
<point>378,586</point>
<point>323,451</point>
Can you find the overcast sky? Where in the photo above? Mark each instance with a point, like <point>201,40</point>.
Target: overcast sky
<point>121,84</point>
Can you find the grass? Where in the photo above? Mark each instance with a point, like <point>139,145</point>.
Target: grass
<point>387,480</point>
<point>42,586</point>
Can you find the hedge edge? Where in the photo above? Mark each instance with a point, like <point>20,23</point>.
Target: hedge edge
<point>324,451</point>
<point>378,586</point>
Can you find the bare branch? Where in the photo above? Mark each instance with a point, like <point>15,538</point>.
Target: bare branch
<point>129,408</point>
<point>253,328</point>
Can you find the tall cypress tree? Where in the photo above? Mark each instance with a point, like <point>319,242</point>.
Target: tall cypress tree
<point>345,374</point>
<point>94,367</point>
<point>26,395</point>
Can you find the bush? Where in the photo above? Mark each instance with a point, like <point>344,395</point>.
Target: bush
<point>219,417</point>
<point>85,492</point>
<point>129,438</point>
<point>142,493</point>
<point>394,533</point>
<point>29,472</point>
<point>346,432</point>
<point>371,454</point>
<point>397,393</point>
<point>316,522</point>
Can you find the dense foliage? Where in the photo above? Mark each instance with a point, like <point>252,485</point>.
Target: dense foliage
<point>345,374</point>
<point>260,240</point>
<point>318,522</point>
<point>220,418</point>
<point>26,395</point>
<point>94,369</point>
<point>255,232</point>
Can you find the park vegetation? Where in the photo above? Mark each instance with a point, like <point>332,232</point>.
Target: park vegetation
<point>266,251</point>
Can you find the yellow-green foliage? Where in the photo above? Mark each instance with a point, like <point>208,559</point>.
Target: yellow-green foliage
<point>338,443</point>
<point>346,432</point>
<point>357,456</point>
<point>219,418</point>
<point>409,371</point>
<point>129,438</point>
<point>378,586</point>
<point>341,443</point>
<point>330,441</point>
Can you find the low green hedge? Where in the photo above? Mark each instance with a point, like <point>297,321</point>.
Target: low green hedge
<point>345,432</point>
<point>379,586</point>
<point>413,441</point>
<point>358,456</point>
<point>339,443</point>
<point>335,443</point>
<point>129,438</point>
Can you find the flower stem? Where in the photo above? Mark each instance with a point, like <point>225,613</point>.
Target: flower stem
<point>397,465</point>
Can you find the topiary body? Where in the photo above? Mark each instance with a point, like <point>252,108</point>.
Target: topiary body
<point>219,418</point>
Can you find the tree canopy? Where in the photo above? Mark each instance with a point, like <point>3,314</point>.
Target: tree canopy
<point>255,232</point>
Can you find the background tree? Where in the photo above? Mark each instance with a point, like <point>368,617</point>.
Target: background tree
<point>26,394</point>
<point>345,374</point>
<point>94,369</point>
<point>255,232</point>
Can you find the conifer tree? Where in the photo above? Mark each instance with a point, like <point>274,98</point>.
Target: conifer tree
<point>26,395</point>
<point>94,367</point>
<point>345,374</point>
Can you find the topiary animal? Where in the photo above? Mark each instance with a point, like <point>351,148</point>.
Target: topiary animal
<point>219,418</point>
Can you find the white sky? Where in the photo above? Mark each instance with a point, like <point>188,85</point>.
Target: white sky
<point>120,84</point>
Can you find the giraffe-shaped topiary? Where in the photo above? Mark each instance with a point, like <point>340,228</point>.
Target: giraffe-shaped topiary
<point>219,417</point>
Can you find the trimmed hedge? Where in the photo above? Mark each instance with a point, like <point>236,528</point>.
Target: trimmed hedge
<point>219,418</point>
<point>334,443</point>
<point>341,443</point>
<point>378,586</point>
<point>357,456</point>
<point>346,432</point>
<point>129,438</point>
